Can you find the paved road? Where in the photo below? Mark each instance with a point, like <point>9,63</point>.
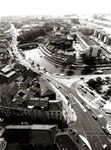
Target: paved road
<point>85,124</point>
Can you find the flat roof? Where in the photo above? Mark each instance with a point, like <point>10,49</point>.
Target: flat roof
<point>10,74</point>
<point>34,126</point>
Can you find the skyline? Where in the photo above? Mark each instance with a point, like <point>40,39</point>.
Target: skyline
<point>53,7</point>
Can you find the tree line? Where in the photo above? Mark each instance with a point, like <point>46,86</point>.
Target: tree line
<point>33,33</point>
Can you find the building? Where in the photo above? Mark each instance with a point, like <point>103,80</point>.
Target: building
<point>66,140</point>
<point>41,136</point>
<point>75,20</point>
<point>108,40</point>
<point>97,32</point>
<point>81,38</point>
<point>7,73</point>
<point>46,89</point>
<point>29,99</point>
<point>89,47</point>
<point>3,144</point>
<point>95,51</point>
<point>101,35</point>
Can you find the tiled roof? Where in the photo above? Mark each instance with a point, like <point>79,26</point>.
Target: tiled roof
<point>36,134</point>
<point>55,105</point>
<point>38,102</point>
<point>4,89</point>
<point>64,140</point>
<point>13,90</point>
<point>46,88</point>
<point>29,93</point>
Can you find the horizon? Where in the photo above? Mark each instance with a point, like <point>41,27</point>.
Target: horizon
<point>53,7</point>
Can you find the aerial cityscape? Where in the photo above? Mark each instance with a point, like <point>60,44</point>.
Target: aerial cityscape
<point>55,76</point>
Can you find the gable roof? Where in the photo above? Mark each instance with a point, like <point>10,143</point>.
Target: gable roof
<point>36,134</point>
<point>38,102</point>
<point>46,88</point>
<point>55,105</point>
<point>4,89</point>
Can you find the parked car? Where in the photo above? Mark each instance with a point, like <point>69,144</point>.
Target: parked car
<point>103,101</point>
<point>105,129</point>
<point>94,116</point>
<point>67,96</point>
<point>88,107</point>
<point>108,112</point>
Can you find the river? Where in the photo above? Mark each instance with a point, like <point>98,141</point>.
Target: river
<point>38,57</point>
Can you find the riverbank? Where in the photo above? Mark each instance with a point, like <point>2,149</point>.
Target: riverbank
<point>39,57</point>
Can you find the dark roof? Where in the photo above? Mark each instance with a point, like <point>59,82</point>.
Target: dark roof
<point>23,95</point>
<point>46,88</point>
<point>23,85</point>
<point>29,93</point>
<point>36,134</point>
<point>80,34</point>
<point>50,47</point>
<point>38,102</point>
<point>14,89</point>
<point>64,140</point>
<point>85,39</point>
<point>55,105</point>
<point>4,89</point>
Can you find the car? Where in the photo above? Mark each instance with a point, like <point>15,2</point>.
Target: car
<point>91,92</point>
<point>41,72</point>
<point>82,86</point>
<point>108,112</point>
<point>60,86</point>
<point>67,96</point>
<point>48,80</point>
<point>98,72</point>
<point>57,86</point>
<point>94,116</point>
<point>84,145</point>
<point>83,89</point>
<point>71,95</point>
<point>88,107</point>
<point>105,129</point>
<point>103,101</point>
<point>57,74</point>
<point>24,123</point>
<point>101,104</point>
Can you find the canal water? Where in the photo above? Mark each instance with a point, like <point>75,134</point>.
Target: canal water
<point>38,57</point>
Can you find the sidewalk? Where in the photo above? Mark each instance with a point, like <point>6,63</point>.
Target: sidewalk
<point>68,112</point>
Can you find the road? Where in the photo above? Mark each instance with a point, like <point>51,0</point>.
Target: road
<point>85,125</point>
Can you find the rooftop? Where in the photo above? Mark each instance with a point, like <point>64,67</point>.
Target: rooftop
<point>38,102</point>
<point>36,134</point>
<point>46,88</point>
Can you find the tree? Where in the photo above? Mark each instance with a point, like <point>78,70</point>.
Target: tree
<point>108,91</point>
<point>99,81</point>
<point>89,60</point>
<point>91,83</point>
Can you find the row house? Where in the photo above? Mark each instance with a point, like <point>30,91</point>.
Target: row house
<point>20,102</point>
<point>103,36</point>
<point>51,112</point>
